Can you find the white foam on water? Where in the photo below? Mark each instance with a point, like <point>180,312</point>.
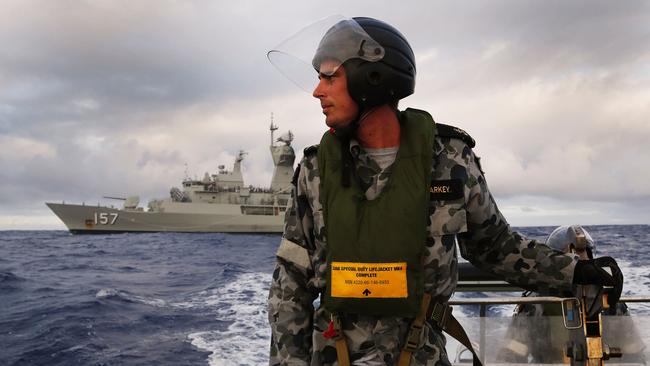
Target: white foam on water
<point>111,292</point>
<point>106,292</point>
<point>243,303</point>
<point>637,283</point>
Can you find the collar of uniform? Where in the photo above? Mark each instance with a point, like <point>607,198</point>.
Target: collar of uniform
<point>367,170</point>
<point>355,148</point>
<point>361,157</point>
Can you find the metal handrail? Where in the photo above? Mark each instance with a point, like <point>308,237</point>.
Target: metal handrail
<point>530,300</point>
<point>484,302</point>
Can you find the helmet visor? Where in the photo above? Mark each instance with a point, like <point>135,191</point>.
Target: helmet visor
<point>565,237</point>
<point>322,48</point>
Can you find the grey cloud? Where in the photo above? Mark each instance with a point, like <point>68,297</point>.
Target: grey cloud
<point>83,173</point>
<point>116,75</point>
<point>128,60</point>
<point>163,158</point>
<point>544,39</point>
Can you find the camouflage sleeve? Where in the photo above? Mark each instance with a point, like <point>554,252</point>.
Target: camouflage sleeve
<point>489,243</point>
<point>290,303</point>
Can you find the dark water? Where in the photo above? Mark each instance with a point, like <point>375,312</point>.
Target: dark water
<point>170,299</point>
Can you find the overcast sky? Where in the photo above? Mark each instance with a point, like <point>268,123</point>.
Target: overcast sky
<point>113,98</point>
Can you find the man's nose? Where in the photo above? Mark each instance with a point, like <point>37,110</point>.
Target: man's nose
<point>318,91</point>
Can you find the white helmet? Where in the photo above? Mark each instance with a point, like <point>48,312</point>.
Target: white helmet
<point>572,238</point>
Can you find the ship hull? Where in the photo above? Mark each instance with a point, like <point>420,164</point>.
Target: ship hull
<point>85,219</point>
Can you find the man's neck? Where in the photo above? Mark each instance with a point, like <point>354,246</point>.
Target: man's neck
<point>379,128</point>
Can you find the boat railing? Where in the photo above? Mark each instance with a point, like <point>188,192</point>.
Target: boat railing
<point>485,285</point>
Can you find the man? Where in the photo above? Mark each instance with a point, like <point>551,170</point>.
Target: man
<point>377,208</point>
<point>543,339</point>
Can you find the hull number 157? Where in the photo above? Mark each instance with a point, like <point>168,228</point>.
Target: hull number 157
<point>105,218</point>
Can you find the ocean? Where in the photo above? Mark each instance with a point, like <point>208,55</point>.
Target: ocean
<point>172,298</point>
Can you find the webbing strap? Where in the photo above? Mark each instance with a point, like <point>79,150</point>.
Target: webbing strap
<point>413,337</point>
<point>341,345</point>
<point>456,330</point>
<point>440,315</point>
<point>342,352</point>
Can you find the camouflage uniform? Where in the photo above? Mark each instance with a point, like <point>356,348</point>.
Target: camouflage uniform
<point>484,237</point>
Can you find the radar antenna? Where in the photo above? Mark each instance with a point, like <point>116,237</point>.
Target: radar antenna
<point>240,156</point>
<point>286,138</point>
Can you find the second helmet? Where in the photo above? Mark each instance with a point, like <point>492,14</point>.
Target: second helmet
<point>571,237</point>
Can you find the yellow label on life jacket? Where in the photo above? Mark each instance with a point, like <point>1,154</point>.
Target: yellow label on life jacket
<point>369,280</point>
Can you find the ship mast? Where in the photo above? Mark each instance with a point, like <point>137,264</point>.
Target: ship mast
<point>272,128</point>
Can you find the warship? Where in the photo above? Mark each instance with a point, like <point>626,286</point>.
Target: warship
<point>217,203</point>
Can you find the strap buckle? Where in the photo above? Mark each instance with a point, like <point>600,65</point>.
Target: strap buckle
<point>337,327</point>
<point>413,338</point>
<point>440,314</point>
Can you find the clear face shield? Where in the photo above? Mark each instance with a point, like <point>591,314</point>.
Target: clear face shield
<point>572,238</point>
<point>323,47</point>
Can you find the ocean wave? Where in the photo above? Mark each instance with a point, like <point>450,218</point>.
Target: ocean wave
<point>241,302</point>
<point>10,282</point>
<point>111,293</point>
<point>8,277</point>
<point>129,269</point>
<point>169,299</point>
<point>637,283</point>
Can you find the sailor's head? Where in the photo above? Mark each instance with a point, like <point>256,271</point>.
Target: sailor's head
<point>361,63</point>
<point>572,239</point>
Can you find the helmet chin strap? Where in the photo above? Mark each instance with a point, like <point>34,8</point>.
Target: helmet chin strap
<point>350,130</point>
<point>347,132</point>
